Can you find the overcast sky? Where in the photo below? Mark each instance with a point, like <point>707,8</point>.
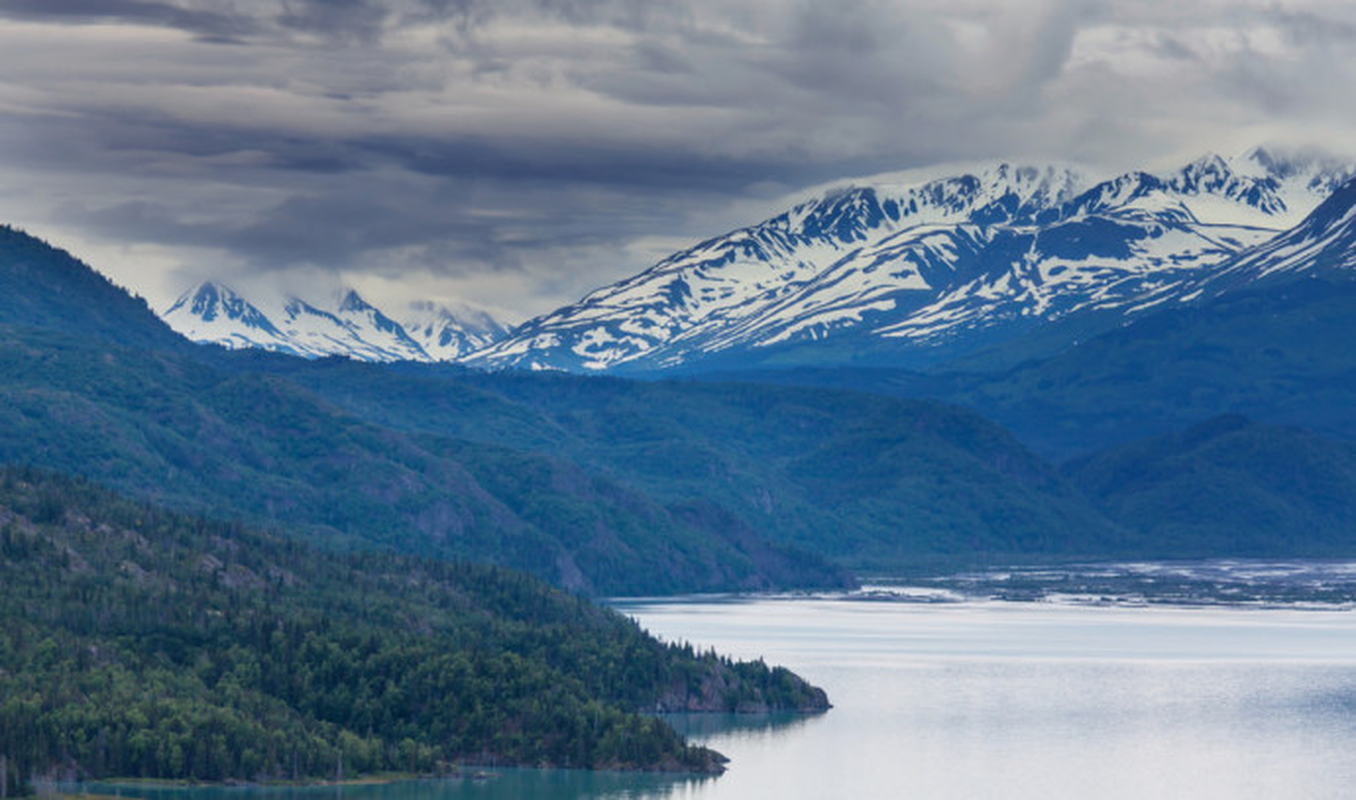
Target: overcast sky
<point>517,153</point>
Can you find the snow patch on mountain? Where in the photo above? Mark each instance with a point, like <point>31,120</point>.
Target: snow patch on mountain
<point>931,258</point>
<point>344,324</point>
<point>1322,245</point>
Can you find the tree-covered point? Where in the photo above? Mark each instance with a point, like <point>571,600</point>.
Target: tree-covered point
<point>137,642</point>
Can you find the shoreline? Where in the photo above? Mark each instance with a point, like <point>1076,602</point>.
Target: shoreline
<point>65,792</point>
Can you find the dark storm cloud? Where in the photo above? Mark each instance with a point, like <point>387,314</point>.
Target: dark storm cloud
<point>360,19</point>
<point>562,140</point>
<point>603,165</point>
<point>209,25</point>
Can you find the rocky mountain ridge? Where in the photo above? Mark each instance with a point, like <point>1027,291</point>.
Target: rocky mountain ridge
<point>913,271</point>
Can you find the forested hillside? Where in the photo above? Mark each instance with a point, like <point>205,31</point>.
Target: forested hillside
<point>137,642</point>
<point>868,481</point>
<point>260,447</point>
<point>1229,486</point>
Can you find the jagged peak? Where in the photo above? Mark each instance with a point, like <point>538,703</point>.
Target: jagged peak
<point>1209,174</point>
<point>351,301</point>
<point>1209,163</point>
<point>1014,189</point>
<point>211,298</point>
<point>200,294</point>
<point>212,302</point>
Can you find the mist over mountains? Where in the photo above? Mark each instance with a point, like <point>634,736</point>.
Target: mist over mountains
<point>913,271</point>
<point>345,325</point>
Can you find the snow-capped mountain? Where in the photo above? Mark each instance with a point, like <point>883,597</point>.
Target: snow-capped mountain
<point>448,335</point>
<point>1322,245</point>
<point>212,313</point>
<point>347,325</point>
<point>917,267</point>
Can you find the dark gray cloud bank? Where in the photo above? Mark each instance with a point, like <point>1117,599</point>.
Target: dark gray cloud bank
<point>517,153</point>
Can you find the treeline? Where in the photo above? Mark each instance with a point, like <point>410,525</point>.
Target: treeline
<point>137,642</point>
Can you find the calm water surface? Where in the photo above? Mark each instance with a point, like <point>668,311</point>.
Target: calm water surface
<point>985,699</point>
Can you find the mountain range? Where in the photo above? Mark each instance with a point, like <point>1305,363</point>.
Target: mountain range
<point>920,269</point>
<point>346,325</point>
<point>915,270</point>
<point>766,473</point>
<point>615,486</point>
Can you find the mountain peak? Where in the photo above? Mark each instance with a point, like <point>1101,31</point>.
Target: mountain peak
<point>905,267</point>
<point>1206,174</point>
<point>207,300</point>
<point>351,301</point>
<point>213,313</point>
<point>346,325</point>
<point>450,335</point>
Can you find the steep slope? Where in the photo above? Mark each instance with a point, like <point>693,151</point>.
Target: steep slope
<point>139,643</point>
<point>201,428</point>
<point>867,481</point>
<point>917,272</point>
<point>171,428</point>
<point>1322,246</point>
<point>1266,335</point>
<point>1229,487</point>
<point>45,287</point>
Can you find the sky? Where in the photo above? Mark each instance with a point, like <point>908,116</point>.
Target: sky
<point>516,154</point>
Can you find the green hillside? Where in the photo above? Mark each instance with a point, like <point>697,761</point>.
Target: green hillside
<point>45,287</point>
<point>167,427</point>
<point>868,481</point>
<point>602,486</point>
<point>1229,486</point>
<point>137,642</point>
<point>1280,356</point>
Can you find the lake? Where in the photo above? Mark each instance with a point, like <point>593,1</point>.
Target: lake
<point>1045,697</point>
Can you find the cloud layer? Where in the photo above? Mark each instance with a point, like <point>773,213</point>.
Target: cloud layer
<point>517,153</point>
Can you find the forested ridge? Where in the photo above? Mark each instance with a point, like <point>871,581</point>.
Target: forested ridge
<point>140,642</point>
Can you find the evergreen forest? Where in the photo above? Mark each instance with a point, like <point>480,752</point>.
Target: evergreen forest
<point>140,642</point>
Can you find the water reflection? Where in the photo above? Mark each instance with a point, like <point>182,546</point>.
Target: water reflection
<point>703,727</point>
<point>499,784</point>
<point>504,784</point>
